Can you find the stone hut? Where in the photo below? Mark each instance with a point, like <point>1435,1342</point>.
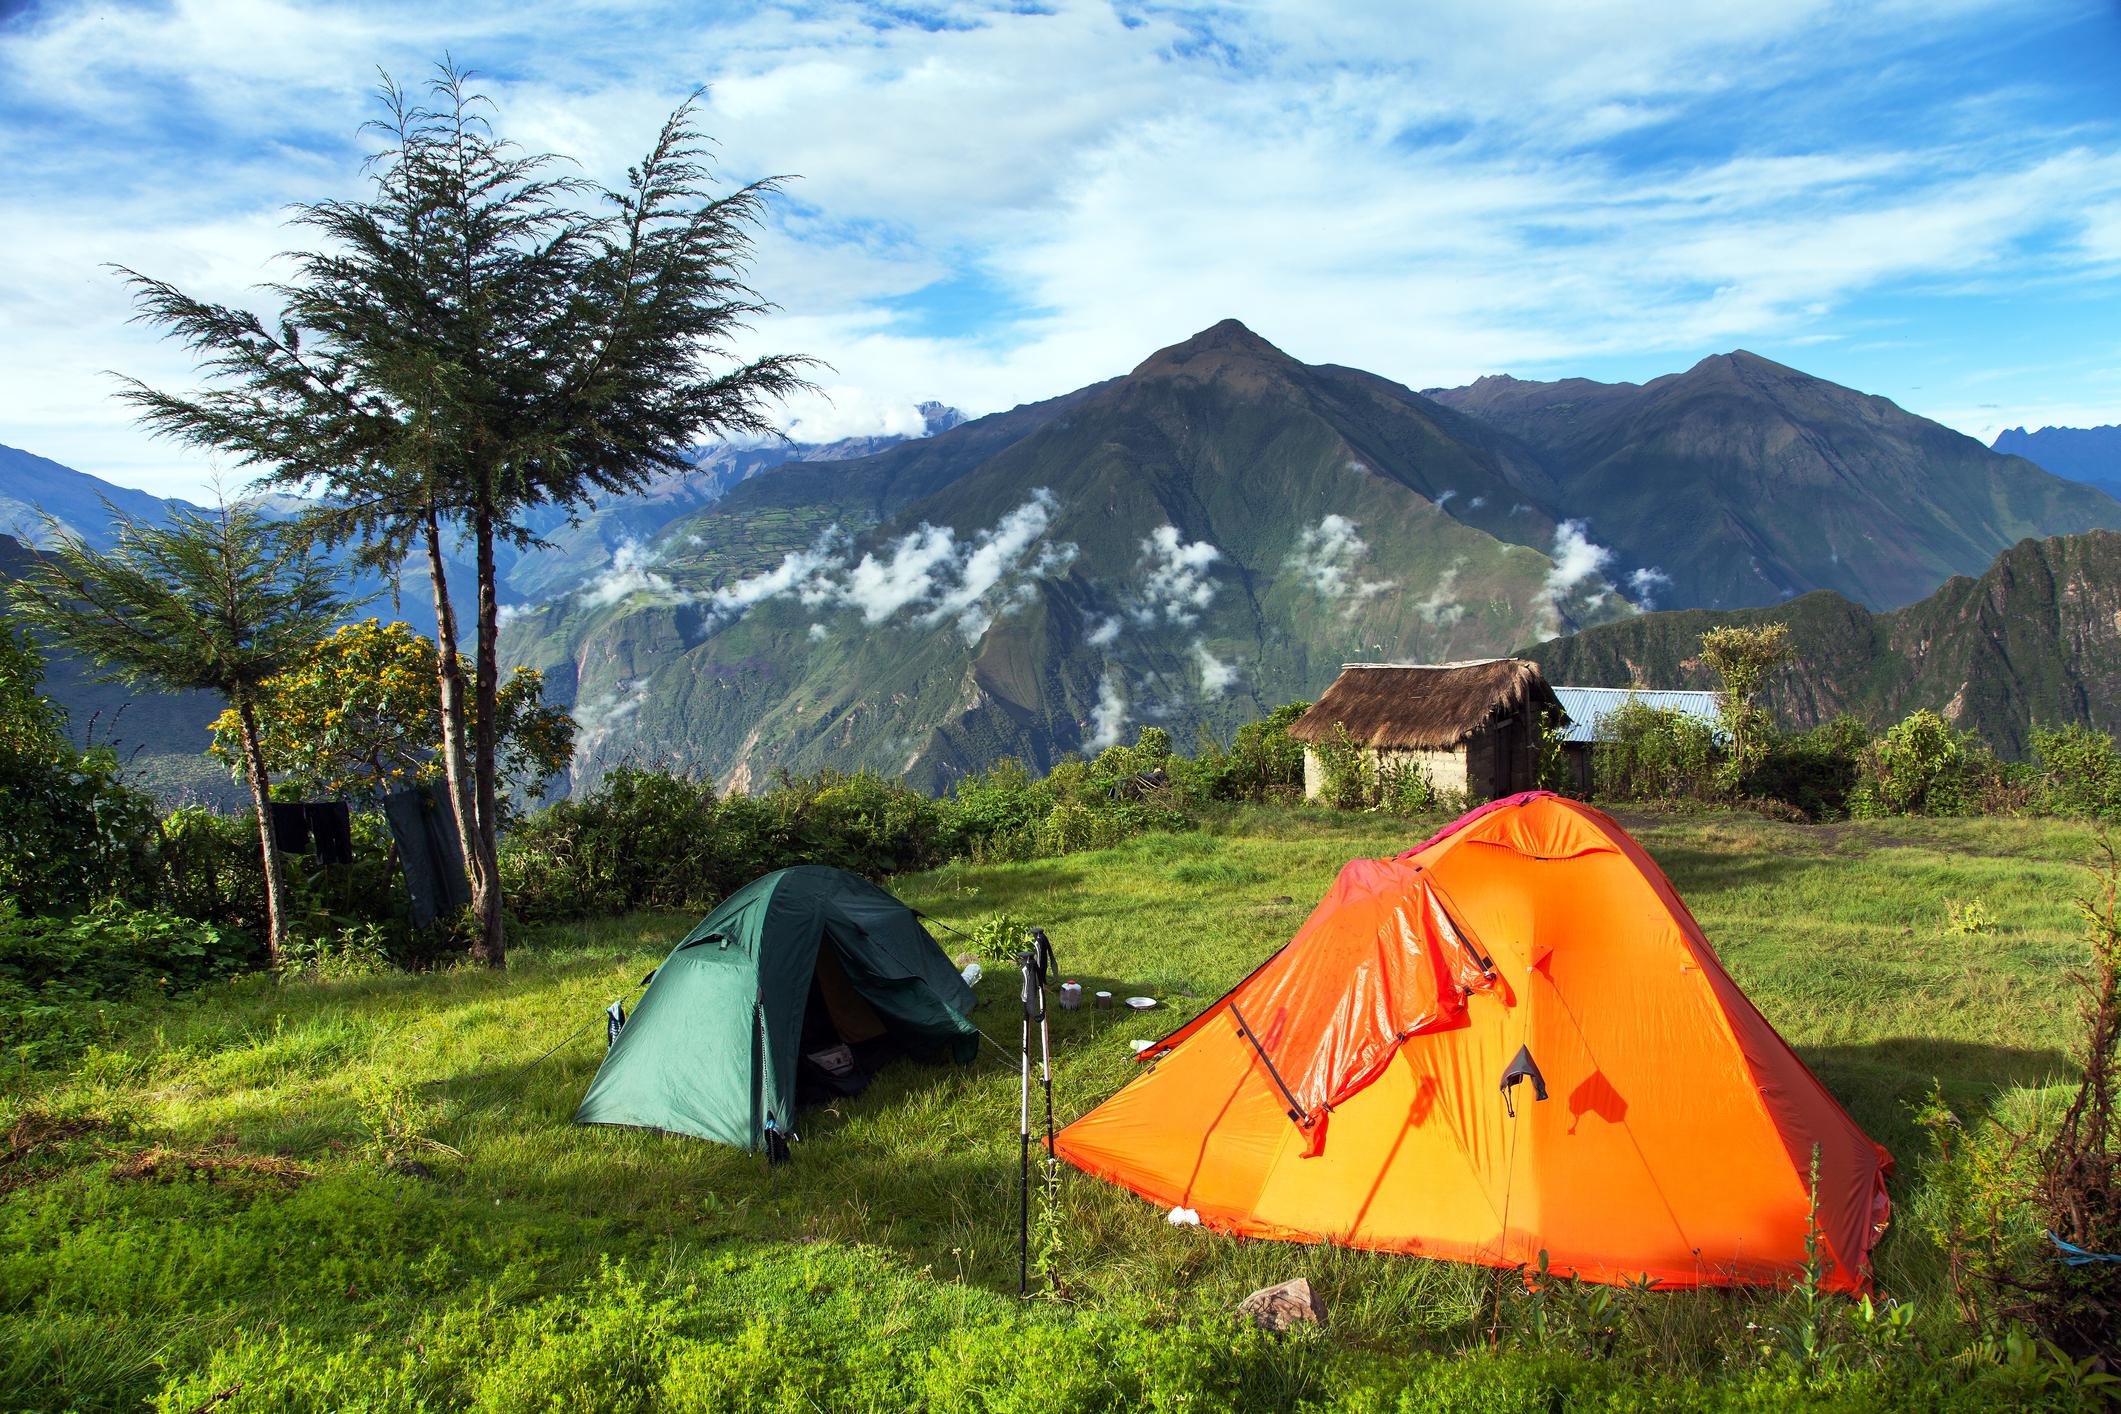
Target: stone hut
<point>1471,727</point>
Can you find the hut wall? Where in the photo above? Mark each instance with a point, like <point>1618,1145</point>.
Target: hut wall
<point>1446,769</point>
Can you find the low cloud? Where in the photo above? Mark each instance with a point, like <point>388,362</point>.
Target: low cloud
<point>1645,584</point>
<point>1438,608</point>
<point>1576,579</point>
<point>819,633</point>
<point>1108,719</point>
<point>1327,555</point>
<point>1216,675</point>
<point>928,573</point>
<point>1175,586</point>
<point>1103,631</point>
<point>601,720</point>
<point>628,574</point>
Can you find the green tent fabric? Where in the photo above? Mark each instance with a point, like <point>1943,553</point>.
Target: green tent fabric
<point>713,1048</point>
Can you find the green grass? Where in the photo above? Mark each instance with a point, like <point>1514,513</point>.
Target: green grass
<point>897,1218</point>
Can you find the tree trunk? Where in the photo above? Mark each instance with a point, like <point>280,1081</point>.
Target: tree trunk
<point>490,947</point>
<point>449,675</point>
<point>261,800</point>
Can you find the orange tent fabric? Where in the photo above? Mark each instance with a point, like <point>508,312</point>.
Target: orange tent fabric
<point>1350,1089</point>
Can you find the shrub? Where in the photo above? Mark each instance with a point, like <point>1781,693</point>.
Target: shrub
<point>1921,766</point>
<point>1654,753</point>
<point>114,950</point>
<point>1347,771</point>
<point>995,813</point>
<point>645,839</point>
<point>1404,788</point>
<point>71,831</point>
<point>1261,763</point>
<point>2081,771</point>
<point>1815,771</point>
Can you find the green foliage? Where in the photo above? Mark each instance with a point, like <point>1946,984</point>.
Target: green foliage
<point>1403,788</point>
<point>1741,658</point>
<point>651,840</point>
<point>2082,771</point>
<point>1921,766</point>
<point>71,831</point>
<point>1654,753</point>
<point>53,971</point>
<point>1814,772</point>
<point>1262,763</point>
<point>359,716</point>
<point>1000,937</point>
<point>1348,771</point>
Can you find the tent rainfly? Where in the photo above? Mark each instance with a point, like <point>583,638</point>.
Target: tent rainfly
<point>807,975</point>
<point>1470,727</point>
<point>1511,1040</point>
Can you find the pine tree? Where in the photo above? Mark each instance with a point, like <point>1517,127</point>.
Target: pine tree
<point>216,603</point>
<point>476,337</point>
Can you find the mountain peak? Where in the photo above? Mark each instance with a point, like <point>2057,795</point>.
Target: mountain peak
<point>1211,350</point>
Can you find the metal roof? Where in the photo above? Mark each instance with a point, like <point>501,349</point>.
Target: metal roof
<point>1588,706</point>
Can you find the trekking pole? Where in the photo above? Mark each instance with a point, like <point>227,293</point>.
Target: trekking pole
<point>1045,1035</point>
<point>1028,963</point>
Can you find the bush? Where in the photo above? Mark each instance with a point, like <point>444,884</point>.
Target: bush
<point>71,831</point>
<point>1814,772</point>
<point>995,814</point>
<point>2081,771</point>
<point>1921,766</point>
<point>1654,753</point>
<point>647,839</point>
<point>1262,762</point>
<point>1347,772</point>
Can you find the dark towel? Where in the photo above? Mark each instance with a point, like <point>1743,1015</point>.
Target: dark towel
<point>331,826</point>
<point>425,828</point>
<point>290,826</point>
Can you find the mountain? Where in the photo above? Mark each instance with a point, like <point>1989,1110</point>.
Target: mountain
<point>33,487</point>
<point>2035,639</point>
<point>2091,455</point>
<point>1742,482</point>
<point>1206,537</point>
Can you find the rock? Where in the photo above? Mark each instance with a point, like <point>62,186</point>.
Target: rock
<point>1276,1308</point>
<point>966,959</point>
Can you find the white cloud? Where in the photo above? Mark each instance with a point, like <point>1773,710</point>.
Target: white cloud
<point>628,574</point>
<point>601,722</point>
<point>928,573</point>
<point>1575,579</point>
<point>1438,608</point>
<point>1108,719</point>
<point>1645,584</point>
<point>1327,555</point>
<point>1175,583</point>
<point>960,175</point>
<point>819,633</point>
<point>1103,631</point>
<point>1217,676</point>
<point>804,575</point>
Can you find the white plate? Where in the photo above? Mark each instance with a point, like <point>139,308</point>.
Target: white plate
<point>1141,1003</point>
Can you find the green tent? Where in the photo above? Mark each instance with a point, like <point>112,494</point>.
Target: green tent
<point>809,973</point>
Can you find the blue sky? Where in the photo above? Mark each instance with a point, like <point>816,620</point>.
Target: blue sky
<point>1000,203</point>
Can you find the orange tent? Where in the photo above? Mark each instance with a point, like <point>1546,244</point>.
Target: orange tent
<point>1358,1087</point>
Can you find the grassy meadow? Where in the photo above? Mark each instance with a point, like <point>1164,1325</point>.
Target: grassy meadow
<point>365,1192</point>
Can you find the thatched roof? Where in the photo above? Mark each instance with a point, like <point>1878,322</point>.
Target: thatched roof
<point>1422,707</point>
